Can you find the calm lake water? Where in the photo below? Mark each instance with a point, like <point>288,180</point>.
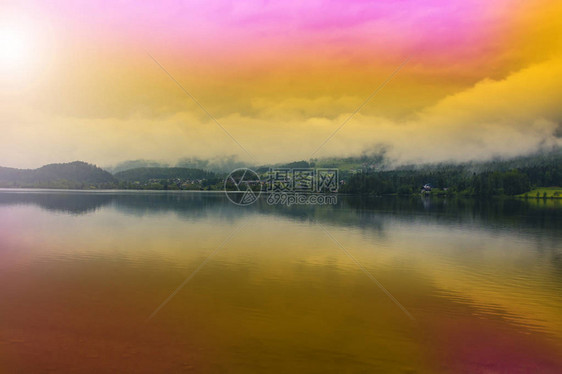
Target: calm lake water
<point>188,282</point>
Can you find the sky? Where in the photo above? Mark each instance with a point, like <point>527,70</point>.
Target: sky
<point>270,82</point>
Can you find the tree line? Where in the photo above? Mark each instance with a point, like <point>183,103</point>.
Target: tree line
<point>488,179</point>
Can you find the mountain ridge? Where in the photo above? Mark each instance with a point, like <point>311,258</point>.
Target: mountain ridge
<point>76,174</point>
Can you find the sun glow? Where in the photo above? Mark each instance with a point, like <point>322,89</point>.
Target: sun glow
<point>15,48</point>
<point>26,52</point>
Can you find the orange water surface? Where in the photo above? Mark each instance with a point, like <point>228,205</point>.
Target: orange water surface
<point>116,282</point>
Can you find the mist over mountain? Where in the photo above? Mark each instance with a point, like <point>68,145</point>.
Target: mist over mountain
<point>217,164</point>
<point>134,164</point>
<point>378,158</point>
<point>540,157</point>
<point>543,168</point>
<point>146,174</point>
<point>512,176</point>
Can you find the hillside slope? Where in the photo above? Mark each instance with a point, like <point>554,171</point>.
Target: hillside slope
<point>75,174</point>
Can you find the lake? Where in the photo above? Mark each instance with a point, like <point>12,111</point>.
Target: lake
<point>123,281</point>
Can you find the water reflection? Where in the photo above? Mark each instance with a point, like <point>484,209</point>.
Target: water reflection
<point>530,216</point>
<point>81,271</point>
<point>65,202</point>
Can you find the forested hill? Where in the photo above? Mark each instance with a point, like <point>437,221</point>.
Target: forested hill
<point>362,175</point>
<point>80,175</point>
<point>144,175</point>
<point>76,174</point>
<point>500,177</point>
